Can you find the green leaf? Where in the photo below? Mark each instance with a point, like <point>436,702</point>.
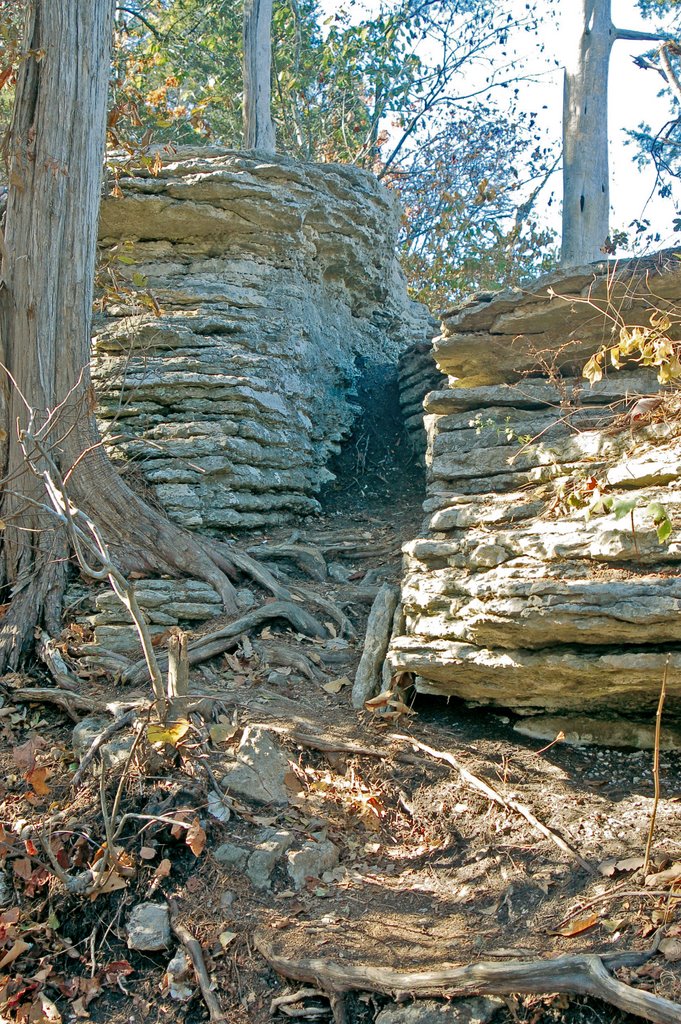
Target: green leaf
<point>624,507</point>
<point>664,531</point>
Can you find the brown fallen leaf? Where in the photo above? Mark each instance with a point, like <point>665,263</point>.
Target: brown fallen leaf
<point>576,927</point>
<point>163,869</point>
<point>20,946</point>
<point>336,685</point>
<point>293,783</point>
<point>668,876</point>
<point>37,780</point>
<point>25,754</point>
<point>195,838</point>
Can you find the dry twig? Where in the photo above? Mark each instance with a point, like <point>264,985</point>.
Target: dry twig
<point>508,802</point>
<point>195,952</point>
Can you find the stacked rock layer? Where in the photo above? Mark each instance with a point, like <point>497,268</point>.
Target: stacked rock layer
<point>261,285</point>
<point>527,591</point>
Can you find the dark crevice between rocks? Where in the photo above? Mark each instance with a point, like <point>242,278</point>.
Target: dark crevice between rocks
<point>376,469</point>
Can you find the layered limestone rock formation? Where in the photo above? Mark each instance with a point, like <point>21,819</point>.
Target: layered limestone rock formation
<point>525,591</point>
<point>418,375</point>
<point>272,280</point>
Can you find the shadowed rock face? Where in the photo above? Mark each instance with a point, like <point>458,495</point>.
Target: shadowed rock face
<point>513,595</point>
<point>272,278</point>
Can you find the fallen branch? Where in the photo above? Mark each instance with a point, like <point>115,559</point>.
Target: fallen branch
<point>510,803</point>
<point>586,974</point>
<point>71,702</point>
<point>211,644</point>
<point>334,746</point>
<point>99,741</point>
<point>195,952</point>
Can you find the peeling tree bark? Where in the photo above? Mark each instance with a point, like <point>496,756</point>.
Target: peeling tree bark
<point>257,70</point>
<point>56,155</point>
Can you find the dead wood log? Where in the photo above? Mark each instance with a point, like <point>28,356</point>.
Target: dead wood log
<point>368,675</point>
<point>208,646</point>
<point>287,656</point>
<point>492,794</point>
<point>584,974</point>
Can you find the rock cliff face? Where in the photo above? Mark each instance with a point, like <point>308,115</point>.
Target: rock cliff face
<point>275,283</point>
<point>516,595</point>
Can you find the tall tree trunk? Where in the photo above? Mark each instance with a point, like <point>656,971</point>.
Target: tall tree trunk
<point>57,149</point>
<point>586,188</point>
<point>257,73</point>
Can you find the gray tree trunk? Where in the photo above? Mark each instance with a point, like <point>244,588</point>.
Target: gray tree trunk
<point>56,155</point>
<point>586,189</point>
<point>257,71</point>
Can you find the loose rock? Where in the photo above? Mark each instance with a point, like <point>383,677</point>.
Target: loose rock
<point>149,927</point>
<point>260,768</point>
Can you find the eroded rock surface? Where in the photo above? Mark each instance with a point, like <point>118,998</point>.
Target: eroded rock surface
<point>273,280</point>
<point>516,595</point>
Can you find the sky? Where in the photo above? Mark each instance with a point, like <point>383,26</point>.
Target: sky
<point>633,98</point>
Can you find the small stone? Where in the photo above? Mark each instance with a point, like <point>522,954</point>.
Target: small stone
<point>86,731</point>
<point>246,600</point>
<point>278,679</point>
<point>339,572</point>
<point>311,861</point>
<point>264,858</point>
<point>116,751</point>
<point>226,900</point>
<point>260,768</point>
<point>478,1010</point>
<point>149,927</point>
<point>229,855</point>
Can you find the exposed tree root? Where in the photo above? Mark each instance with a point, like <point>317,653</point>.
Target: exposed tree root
<point>211,644</point>
<point>587,975</point>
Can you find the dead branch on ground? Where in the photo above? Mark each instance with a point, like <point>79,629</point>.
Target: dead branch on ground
<point>195,952</point>
<point>587,974</point>
<point>510,803</point>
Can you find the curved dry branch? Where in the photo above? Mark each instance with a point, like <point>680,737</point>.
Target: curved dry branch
<point>585,974</point>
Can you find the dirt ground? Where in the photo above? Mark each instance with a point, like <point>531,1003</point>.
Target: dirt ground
<point>432,873</point>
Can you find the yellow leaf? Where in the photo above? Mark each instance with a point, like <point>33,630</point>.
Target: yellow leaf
<point>226,938</point>
<point>170,734</point>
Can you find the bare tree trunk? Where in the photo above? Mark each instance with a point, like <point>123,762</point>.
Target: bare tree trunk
<point>586,187</point>
<point>56,155</point>
<point>257,71</point>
